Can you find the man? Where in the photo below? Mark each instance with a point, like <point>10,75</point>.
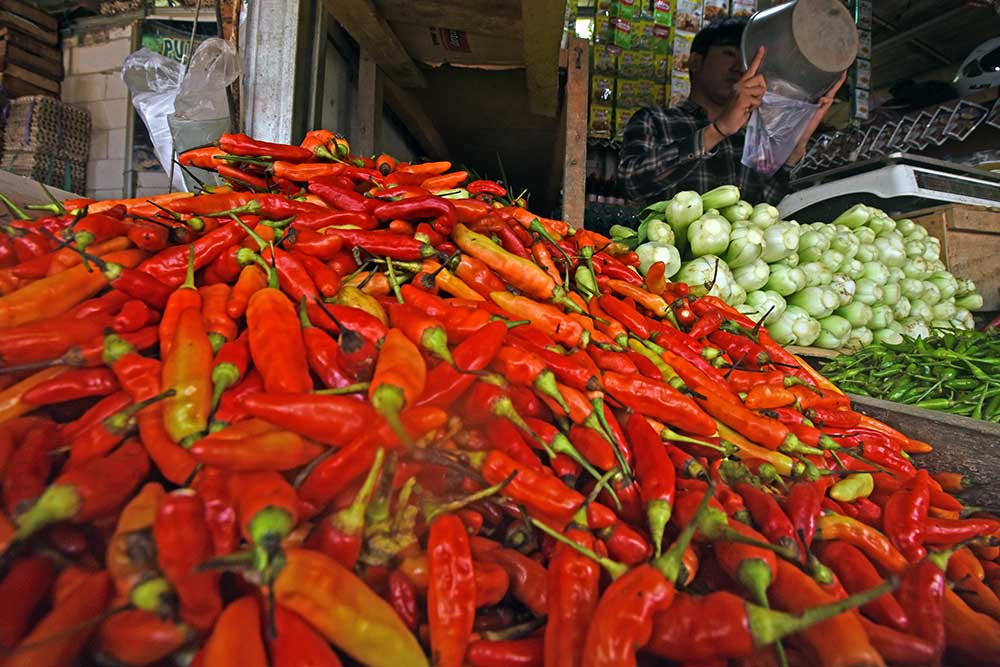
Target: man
<point>698,144</point>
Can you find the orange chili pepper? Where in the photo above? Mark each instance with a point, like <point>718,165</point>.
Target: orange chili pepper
<point>276,343</point>
<point>55,294</point>
<point>426,169</point>
<point>548,318</point>
<point>236,638</point>
<point>399,379</point>
<point>335,602</point>
<point>451,591</point>
<point>184,297</point>
<point>272,450</point>
<point>764,396</point>
<point>447,181</point>
<point>522,273</point>
<point>219,325</point>
<point>187,369</point>
<point>138,515</point>
<point>295,642</point>
<point>252,279</point>
<point>449,282</point>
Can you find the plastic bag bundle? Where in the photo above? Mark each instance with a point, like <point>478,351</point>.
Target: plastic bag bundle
<point>774,129</point>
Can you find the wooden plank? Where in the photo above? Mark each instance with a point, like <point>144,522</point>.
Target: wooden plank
<point>543,26</point>
<point>816,352</point>
<point>34,79</point>
<point>12,55</point>
<point>411,112</point>
<point>27,26</point>
<point>369,107</point>
<point>371,31</point>
<point>476,16</point>
<point>31,45</point>
<point>960,444</point>
<point>575,157</point>
<point>19,88</point>
<point>36,16</point>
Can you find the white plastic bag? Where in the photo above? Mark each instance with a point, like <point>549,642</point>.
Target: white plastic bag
<point>774,129</point>
<point>154,81</point>
<point>181,110</point>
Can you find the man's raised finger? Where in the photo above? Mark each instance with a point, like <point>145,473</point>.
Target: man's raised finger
<point>755,65</point>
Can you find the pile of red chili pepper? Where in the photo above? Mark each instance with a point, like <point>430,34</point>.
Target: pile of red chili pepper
<point>356,411</point>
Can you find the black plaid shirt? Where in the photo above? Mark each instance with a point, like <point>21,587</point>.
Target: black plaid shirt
<point>657,139</point>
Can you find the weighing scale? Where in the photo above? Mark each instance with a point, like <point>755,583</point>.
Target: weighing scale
<point>896,183</point>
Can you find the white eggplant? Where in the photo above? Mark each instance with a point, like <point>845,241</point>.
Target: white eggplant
<point>844,287</point>
<point>785,280</point>
<point>654,251</point>
<point>795,327</point>
<point>817,301</point>
<point>708,235</point>
<point>746,245</point>
<point>753,276</point>
<point>857,313</point>
<point>780,241</point>
<point>868,291</point>
<point>763,303</point>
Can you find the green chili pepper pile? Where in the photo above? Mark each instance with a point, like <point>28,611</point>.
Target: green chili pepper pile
<point>957,372</point>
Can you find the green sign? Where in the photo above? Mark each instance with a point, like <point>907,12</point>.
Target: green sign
<point>175,48</point>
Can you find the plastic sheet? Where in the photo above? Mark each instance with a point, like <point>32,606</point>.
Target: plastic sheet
<point>774,129</point>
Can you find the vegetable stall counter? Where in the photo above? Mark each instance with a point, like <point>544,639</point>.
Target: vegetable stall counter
<point>351,409</point>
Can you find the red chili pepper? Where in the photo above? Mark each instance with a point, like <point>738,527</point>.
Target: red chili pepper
<point>451,591</point>
<point>906,516</point>
<point>921,594</point>
<point>72,385</point>
<point>327,189</point>
<point>568,370</point>
<point>660,401</point>
<point>833,418</point>
<point>170,265</point>
<point>768,516</point>
<point>212,486</point>
<point>441,210</point>
<point>856,573</point>
<point>403,598</point>
<point>707,324</point>
<point>25,585</point>
<point>501,653</point>
<point>80,595</point>
<point>527,578</point>
<point>297,644</point>
<point>340,536</point>
<point>92,490</point>
<point>183,541</point>
<point>946,532</point>
<point>897,647</point>
<point>505,437</point>
<point>241,144</point>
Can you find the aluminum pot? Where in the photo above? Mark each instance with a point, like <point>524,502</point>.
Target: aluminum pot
<point>809,43</point>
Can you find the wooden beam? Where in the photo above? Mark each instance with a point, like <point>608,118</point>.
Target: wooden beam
<point>489,17</point>
<point>369,108</point>
<point>575,161</point>
<point>543,26</point>
<point>411,112</point>
<point>372,33</point>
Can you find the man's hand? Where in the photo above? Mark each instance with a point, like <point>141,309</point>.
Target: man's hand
<point>747,95</point>
<point>825,103</point>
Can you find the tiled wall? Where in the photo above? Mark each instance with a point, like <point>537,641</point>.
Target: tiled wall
<point>92,61</point>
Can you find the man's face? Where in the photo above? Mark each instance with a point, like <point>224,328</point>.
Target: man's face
<point>716,72</point>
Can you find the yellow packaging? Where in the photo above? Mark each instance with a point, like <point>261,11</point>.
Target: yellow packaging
<point>688,15</point>
<point>682,50</point>
<point>661,69</point>
<point>603,59</point>
<point>680,87</point>
<point>602,28</point>
<point>629,65</point>
<point>601,121</point>
<point>622,117</point>
<point>602,89</point>
<point>715,10</point>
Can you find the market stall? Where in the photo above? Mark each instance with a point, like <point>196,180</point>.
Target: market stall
<point>338,405</point>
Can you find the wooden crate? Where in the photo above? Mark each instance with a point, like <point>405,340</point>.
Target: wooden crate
<point>40,124</point>
<point>19,49</point>
<point>28,20</point>
<point>970,244</point>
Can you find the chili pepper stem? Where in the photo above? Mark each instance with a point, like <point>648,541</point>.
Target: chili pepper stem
<point>468,500</point>
<point>605,430</point>
<point>389,401</point>
<point>57,503</point>
<point>14,210</point>
<point>355,388</point>
<point>394,284</point>
<point>351,520</point>
<point>614,568</point>
<point>769,626</point>
<point>545,383</point>
<point>153,595</point>
<point>671,563</point>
